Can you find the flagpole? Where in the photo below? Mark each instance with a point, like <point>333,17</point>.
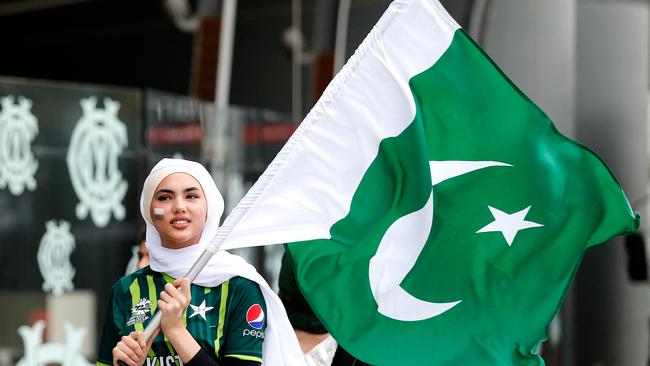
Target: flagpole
<point>226,228</point>
<point>194,271</point>
<point>191,275</point>
<point>222,234</point>
<point>213,246</point>
<point>221,100</point>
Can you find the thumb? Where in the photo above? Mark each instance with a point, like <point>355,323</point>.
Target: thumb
<point>140,338</point>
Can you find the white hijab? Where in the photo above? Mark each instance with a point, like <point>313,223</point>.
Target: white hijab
<point>280,343</point>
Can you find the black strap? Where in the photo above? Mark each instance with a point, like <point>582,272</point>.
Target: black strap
<point>202,358</point>
<point>234,361</point>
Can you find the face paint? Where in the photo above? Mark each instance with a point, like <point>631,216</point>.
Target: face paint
<point>158,213</point>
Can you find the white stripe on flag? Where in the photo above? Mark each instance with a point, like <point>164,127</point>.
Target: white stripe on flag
<point>309,185</point>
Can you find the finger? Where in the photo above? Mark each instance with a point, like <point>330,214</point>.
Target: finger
<point>134,344</point>
<point>171,307</point>
<point>126,354</point>
<point>118,355</point>
<point>170,289</point>
<point>174,296</point>
<point>165,296</point>
<point>182,284</point>
<point>142,342</point>
<point>125,349</point>
<point>167,302</point>
<point>181,292</point>
<point>176,292</point>
<point>185,289</point>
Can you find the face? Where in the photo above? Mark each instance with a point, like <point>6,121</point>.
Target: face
<point>143,255</point>
<point>179,210</point>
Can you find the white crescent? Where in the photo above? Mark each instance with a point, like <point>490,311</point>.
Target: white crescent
<point>401,245</point>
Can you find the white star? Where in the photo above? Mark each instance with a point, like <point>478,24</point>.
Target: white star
<point>200,310</point>
<point>508,224</point>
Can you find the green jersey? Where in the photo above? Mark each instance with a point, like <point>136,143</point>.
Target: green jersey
<point>226,321</point>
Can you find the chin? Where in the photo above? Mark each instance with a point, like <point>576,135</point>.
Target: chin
<point>179,244</point>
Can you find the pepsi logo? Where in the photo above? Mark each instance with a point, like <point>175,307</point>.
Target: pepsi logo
<point>253,333</point>
<point>255,316</point>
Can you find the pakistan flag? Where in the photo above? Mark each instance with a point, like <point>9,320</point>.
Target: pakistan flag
<point>435,215</point>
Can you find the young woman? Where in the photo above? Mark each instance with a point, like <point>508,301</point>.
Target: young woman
<point>227,316</point>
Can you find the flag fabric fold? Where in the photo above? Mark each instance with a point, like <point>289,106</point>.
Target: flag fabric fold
<point>434,214</point>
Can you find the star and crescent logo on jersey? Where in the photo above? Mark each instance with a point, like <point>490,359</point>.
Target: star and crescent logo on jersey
<point>254,317</point>
<point>200,310</point>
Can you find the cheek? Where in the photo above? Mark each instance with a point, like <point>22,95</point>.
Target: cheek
<point>158,213</point>
<point>202,213</point>
<point>158,225</point>
<point>199,211</point>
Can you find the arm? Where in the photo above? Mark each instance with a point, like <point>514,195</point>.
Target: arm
<point>173,301</point>
<point>110,335</point>
<point>203,359</point>
<point>246,324</point>
<point>129,350</point>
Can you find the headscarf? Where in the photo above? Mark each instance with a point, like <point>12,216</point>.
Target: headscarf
<point>280,343</point>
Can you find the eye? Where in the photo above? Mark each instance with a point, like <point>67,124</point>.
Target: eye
<point>163,197</point>
<point>193,196</point>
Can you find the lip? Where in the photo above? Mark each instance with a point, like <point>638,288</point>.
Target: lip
<point>180,222</point>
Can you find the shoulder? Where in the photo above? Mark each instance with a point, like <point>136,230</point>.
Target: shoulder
<point>243,283</point>
<point>246,291</point>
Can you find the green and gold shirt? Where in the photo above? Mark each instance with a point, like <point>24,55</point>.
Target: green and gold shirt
<point>226,321</point>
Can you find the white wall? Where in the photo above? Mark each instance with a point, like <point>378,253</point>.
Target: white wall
<point>533,41</point>
<point>612,78</point>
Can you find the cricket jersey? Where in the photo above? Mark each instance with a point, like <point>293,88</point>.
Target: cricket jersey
<point>226,321</point>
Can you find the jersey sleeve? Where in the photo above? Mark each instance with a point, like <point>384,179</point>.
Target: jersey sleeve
<point>111,332</point>
<point>246,312</point>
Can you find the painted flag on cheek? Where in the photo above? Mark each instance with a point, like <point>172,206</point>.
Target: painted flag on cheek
<point>435,215</point>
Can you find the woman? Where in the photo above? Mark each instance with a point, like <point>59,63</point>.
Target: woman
<point>227,316</point>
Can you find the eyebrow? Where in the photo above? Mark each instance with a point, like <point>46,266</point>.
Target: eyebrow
<point>164,190</point>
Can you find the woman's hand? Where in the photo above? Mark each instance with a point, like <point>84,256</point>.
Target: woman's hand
<point>132,349</point>
<point>173,301</point>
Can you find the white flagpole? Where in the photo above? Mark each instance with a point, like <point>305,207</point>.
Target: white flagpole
<point>191,275</point>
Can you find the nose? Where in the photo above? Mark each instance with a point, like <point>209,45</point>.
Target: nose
<point>179,206</point>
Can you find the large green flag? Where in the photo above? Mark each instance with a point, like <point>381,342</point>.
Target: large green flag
<point>436,214</point>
